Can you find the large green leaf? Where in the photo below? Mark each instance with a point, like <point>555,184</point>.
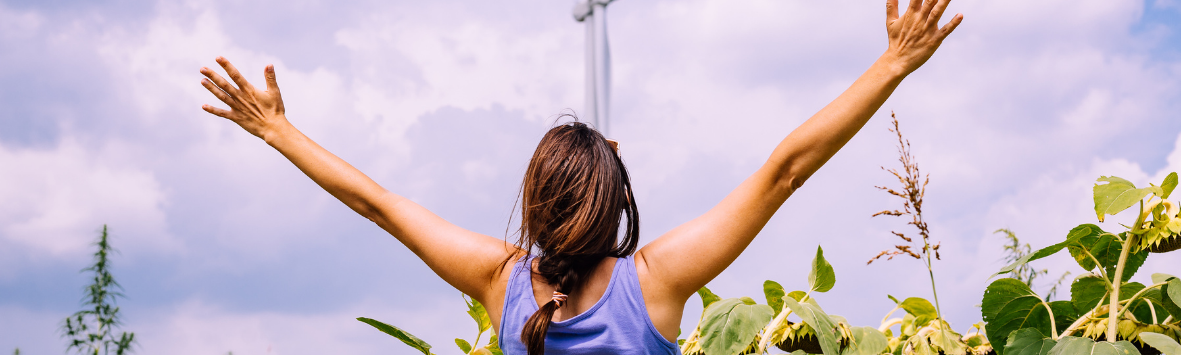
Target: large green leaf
<point>1064,314</point>
<point>1029,342</point>
<point>866,341</point>
<point>1087,291</point>
<point>921,309</point>
<point>1106,248</point>
<point>1164,343</point>
<point>774,292</point>
<point>822,278</point>
<point>824,327</point>
<point>1085,346</point>
<point>707,297</point>
<point>1171,297</point>
<point>730,325</point>
<point>1078,233</point>
<point>1009,305</point>
<point>1161,277</point>
<point>1117,195</point>
<point>1162,298</point>
<point>1149,302</point>
<point>1168,185</point>
<point>402,335</point>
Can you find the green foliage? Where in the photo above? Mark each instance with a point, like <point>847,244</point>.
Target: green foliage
<point>730,325</point>
<point>1172,289</point>
<point>1168,185</point>
<point>1161,342</point>
<point>1118,195</point>
<point>405,337</point>
<point>707,297</point>
<point>921,309</point>
<point>866,341</point>
<point>475,310</point>
<point>93,329</point>
<point>774,293</point>
<point>1027,324</point>
<point>1106,249</point>
<point>822,278</point>
<point>1085,346</point>
<point>1087,291</point>
<point>1009,305</point>
<point>463,345</point>
<point>821,323</point>
<point>1076,234</point>
<point>1018,255</point>
<point>1028,341</point>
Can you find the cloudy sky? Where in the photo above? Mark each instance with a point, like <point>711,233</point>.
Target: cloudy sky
<point>226,247</point>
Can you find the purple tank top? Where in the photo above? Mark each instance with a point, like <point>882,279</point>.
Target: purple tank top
<point>617,324</point>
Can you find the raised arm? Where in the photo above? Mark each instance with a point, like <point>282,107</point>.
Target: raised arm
<point>689,256</point>
<point>465,259</point>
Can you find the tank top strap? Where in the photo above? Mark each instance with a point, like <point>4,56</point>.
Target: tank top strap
<point>518,294</point>
<point>629,293</point>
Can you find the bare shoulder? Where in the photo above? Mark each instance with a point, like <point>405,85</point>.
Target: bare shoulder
<point>664,304</point>
<point>493,298</point>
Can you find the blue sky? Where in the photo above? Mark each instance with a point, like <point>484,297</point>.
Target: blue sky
<point>227,247</point>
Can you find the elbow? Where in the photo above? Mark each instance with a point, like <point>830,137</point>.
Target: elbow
<point>787,182</point>
<point>368,211</point>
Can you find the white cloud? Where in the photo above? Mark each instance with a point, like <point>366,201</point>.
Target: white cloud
<point>195,327</point>
<point>1009,118</point>
<point>53,201</point>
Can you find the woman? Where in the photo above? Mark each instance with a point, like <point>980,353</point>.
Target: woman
<point>571,284</point>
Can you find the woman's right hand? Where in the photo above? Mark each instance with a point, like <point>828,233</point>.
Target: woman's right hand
<point>259,112</point>
<point>916,35</point>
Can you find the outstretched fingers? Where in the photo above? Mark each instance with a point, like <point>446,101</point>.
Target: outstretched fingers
<point>891,11</point>
<point>221,95</point>
<point>235,75</point>
<point>269,73</point>
<point>951,25</point>
<point>926,9</point>
<point>217,111</point>
<point>221,83</point>
<point>937,12</point>
<point>915,5</point>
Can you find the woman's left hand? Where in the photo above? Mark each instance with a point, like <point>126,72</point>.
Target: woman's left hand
<point>259,112</point>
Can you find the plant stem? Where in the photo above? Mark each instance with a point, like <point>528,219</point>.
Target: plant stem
<point>1053,324</point>
<point>1113,311</point>
<point>890,313</point>
<point>889,323</point>
<point>778,319</point>
<point>931,273</point>
<point>1152,309</point>
<point>1097,263</point>
<point>1137,295</point>
<point>1078,323</point>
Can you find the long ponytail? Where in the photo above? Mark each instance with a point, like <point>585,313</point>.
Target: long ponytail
<point>574,194</point>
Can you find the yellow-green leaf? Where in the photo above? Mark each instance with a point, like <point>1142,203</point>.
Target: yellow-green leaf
<point>1117,195</point>
<point>822,278</point>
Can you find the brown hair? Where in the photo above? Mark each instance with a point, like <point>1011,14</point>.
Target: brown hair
<point>574,192</point>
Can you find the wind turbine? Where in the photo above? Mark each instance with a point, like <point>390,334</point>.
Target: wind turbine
<point>598,60</point>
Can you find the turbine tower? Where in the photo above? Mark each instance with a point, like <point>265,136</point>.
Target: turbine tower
<point>598,60</point>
